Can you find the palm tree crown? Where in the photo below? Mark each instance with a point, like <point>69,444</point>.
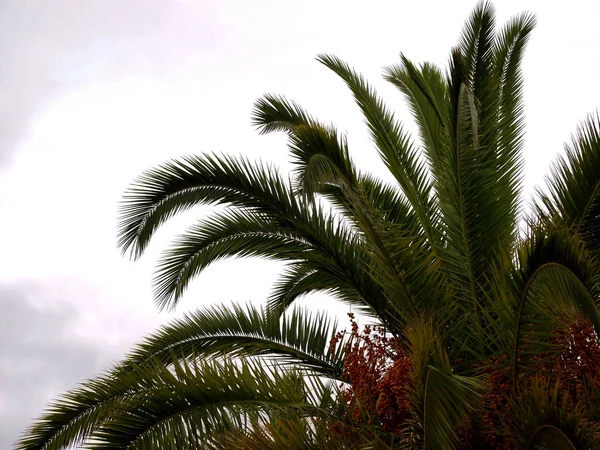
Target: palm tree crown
<point>486,317</point>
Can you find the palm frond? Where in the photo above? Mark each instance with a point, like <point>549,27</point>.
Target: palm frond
<point>265,200</point>
<point>388,201</point>
<point>556,277</point>
<point>298,338</point>
<point>301,278</point>
<point>401,259</point>
<point>441,398</point>
<point>465,198</point>
<point>395,148</point>
<point>543,420</point>
<point>274,113</point>
<point>427,94</point>
<point>479,176</point>
<point>319,153</point>
<point>476,47</point>
<point>152,407</point>
<point>509,46</point>
<point>448,400</point>
<point>311,236</point>
<point>160,193</point>
<point>322,159</point>
<point>227,234</point>
<point>574,185</point>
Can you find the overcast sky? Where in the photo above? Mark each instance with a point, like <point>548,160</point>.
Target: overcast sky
<point>92,92</point>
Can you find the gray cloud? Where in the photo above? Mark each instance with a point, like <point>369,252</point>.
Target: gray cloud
<point>40,355</point>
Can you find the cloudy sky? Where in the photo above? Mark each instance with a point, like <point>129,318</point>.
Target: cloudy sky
<point>92,92</point>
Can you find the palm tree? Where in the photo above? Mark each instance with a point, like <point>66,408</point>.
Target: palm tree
<point>491,308</point>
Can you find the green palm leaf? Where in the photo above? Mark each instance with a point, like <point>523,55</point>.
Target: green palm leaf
<point>448,400</point>
<point>557,278</point>
<point>427,93</point>
<point>297,338</point>
<point>574,185</point>
<point>399,155</point>
<point>302,278</point>
<point>322,159</point>
<point>543,421</point>
<point>152,407</point>
<point>160,193</point>
<point>319,154</point>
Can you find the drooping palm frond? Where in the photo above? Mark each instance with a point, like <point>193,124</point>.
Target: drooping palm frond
<point>245,233</point>
<point>301,278</point>
<point>542,420</point>
<point>557,277</point>
<point>298,338</point>
<point>227,234</point>
<point>266,202</point>
<point>448,400</point>
<point>152,407</point>
<point>324,166</point>
<point>319,153</point>
<point>160,193</point>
